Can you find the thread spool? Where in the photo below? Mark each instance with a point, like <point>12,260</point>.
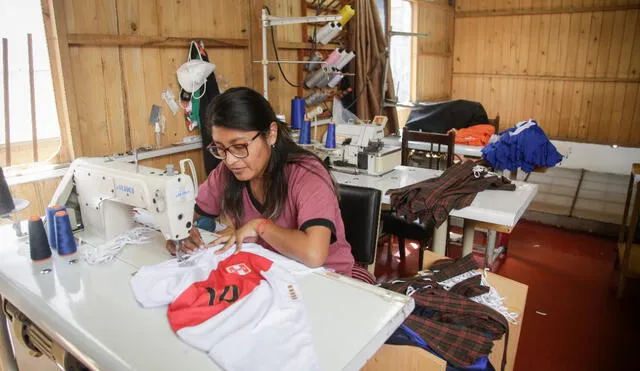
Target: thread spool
<point>347,13</point>
<point>332,34</point>
<point>38,242</point>
<point>315,57</point>
<point>315,99</point>
<point>334,57</point>
<point>335,80</point>
<point>331,136</point>
<point>65,241</point>
<point>51,225</point>
<point>346,58</point>
<point>313,79</point>
<point>297,113</point>
<point>324,31</point>
<point>305,133</point>
<point>310,99</point>
<point>6,201</point>
<point>312,114</point>
<point>326,77</point>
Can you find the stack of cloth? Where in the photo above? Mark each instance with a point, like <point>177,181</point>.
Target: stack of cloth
<point>476,135</point>
<point>524,146</point>
<point>432,200</point>
<point>454,317</point>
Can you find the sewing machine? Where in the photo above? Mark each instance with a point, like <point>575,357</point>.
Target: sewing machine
<point>100,195</point>
<point>84,315</point>
<point>361,146</point>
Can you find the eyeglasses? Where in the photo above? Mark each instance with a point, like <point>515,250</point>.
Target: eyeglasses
<point>237,150</point>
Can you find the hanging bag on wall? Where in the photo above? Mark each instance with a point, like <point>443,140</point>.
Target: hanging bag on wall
<point>192,77</point>
<point>198,107</point>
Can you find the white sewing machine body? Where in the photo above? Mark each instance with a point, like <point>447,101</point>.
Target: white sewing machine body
<point>108,190</point>
<point>366,150</point>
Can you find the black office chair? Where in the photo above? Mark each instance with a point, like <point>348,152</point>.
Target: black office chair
<point>434,158</point>
<point>360,209</point>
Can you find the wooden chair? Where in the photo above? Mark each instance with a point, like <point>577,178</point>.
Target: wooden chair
<point>496,123</point>
<point>435,143</point>
<point>393,225</point>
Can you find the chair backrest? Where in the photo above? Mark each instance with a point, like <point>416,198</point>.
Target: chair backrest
<point>435,142</point>
<point>360,209</point>
<point>496,123</point>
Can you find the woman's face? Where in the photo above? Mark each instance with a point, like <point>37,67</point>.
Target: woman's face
<point>258,147</point>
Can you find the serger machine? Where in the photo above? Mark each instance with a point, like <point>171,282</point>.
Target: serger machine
<point>101,193</point>
<point>361,147</point>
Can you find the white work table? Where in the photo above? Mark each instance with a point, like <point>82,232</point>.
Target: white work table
<point>492,209</point>
<point>459,149</point>
<point>90,310</point>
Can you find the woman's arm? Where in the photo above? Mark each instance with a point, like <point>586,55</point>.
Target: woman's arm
<point>309,247</point>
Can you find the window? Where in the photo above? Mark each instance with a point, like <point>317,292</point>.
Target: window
<point>400,51</point>
<point>17,20</point>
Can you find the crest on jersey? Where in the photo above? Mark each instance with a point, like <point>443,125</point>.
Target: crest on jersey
<point>239,269</point>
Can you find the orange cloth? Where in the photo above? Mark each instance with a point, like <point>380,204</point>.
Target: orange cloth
<point>476,135</point>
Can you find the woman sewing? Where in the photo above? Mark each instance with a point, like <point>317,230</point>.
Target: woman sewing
<point>271,190</point>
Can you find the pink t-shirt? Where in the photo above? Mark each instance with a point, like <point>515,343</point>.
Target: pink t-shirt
<point>311,201</point>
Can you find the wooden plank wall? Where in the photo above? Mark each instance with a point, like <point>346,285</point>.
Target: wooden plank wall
<point>38,194</point>
<point>433,54</point>
<point>124,53</point>
<point>116,85</point>
<point>574,65</point>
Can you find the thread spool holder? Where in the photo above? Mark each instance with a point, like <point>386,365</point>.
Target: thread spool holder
<point>271,21</point>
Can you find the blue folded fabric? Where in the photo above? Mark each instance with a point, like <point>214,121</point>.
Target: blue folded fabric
<point>524,146</point>
<point>405,336</point>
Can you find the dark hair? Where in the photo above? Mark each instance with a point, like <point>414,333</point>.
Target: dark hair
<point>245,109</point>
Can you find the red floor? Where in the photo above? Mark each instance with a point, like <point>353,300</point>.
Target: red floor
<point>572,280</point>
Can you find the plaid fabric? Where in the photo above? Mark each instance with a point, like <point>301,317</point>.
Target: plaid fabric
<point>469,288</point>
<point>359,273</point>
<point>455,327</point>
<point>458,329</point>
<point>433,199</point>
<point>444,269</point>
<point>440,264</point>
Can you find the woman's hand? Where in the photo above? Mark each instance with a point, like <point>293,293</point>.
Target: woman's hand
<point>247,231</point>
<point>190,245</point>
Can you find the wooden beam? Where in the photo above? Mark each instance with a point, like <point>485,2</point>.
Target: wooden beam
<point>7,117</point>
<point>308,46</point>
<point>492,226</point>
<point>519,12</point>
<point>435,54</point>
<point>430,4</point>
<point>32,96</point>
<point>248,65</point>
<point>548,77</point>
<point>56,32</point>
<point>443,98</point>
<point>151,41</point>
<point>255,44</point>
<point>125,98</point>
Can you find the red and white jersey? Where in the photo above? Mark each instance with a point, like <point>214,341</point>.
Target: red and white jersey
<point>245,310</point>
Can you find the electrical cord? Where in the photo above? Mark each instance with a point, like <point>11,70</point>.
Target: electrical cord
<point>364,87</point>
<point>275,50</point>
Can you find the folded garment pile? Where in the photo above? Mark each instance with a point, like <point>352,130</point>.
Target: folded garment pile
<point>450,319</point>
<point>524,146</point>
<point>432,200</point>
